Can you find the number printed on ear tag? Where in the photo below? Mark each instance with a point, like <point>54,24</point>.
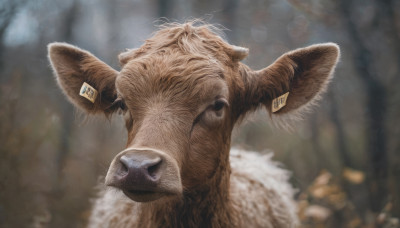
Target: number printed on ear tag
<point>279,102</point>
<point>88,92</point>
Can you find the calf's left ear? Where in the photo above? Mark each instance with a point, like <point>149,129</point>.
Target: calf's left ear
<point>88,82</point>
<point>303,73</point>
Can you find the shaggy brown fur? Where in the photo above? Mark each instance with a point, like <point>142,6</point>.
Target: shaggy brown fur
<point>259,196</point>
<point>182,93</point>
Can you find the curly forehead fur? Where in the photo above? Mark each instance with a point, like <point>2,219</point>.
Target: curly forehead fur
<point>175,74</point>
<point>185,39</point>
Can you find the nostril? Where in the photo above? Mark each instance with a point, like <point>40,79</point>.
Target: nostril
<point>124,166</point>
<point>123,170</point>
<point>153,170</point>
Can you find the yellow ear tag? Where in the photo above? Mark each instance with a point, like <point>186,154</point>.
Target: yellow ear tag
<point>88,92</point>
<point>279,102</point>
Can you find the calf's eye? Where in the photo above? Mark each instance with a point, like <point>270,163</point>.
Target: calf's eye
<point>119,104</point>
<point>220,104</point>
<point>212,115</point>
<point>122,105</point>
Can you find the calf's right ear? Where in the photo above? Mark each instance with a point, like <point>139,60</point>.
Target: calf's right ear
<point>73,67</point>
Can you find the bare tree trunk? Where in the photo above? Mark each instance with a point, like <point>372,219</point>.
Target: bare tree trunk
<point>322,163</point>
<point>386,20</point>
<point>67,118</point>
<point>375,111</point>
<point>340,134</point>
<point>355,193</point>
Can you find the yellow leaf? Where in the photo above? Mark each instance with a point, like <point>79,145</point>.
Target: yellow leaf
<point>353,176</point>
<point>318,213</point>
<point>323,178</point>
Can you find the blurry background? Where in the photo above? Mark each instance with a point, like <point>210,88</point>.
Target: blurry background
<point>345,156</point>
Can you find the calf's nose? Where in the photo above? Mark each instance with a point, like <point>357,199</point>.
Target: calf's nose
<point>145,174</point>
<point>138,171</point>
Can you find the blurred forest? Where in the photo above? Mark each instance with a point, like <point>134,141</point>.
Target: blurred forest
<point>345,155</point>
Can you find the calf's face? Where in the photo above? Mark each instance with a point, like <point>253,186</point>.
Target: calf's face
<point>181,100</point>
<point>176,110</point>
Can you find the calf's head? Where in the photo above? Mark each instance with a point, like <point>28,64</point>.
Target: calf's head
<point>181,94</point>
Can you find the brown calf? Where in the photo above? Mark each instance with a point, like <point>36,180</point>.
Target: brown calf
<point>181,94</point>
